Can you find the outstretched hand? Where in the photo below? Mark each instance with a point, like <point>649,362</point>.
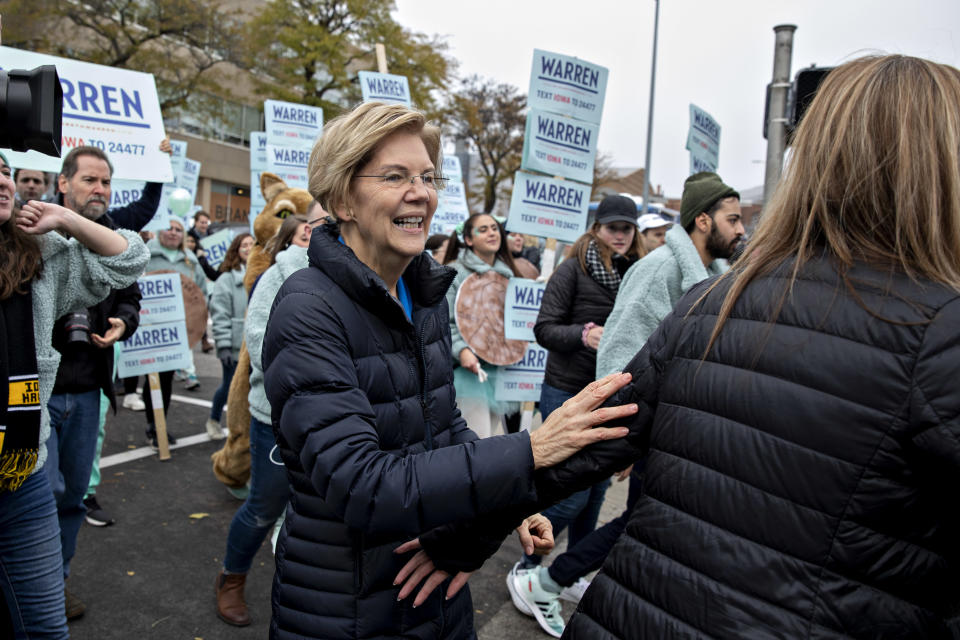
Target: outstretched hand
<point>421,567</point>
<point>571,427</point>
<point>111,335</point>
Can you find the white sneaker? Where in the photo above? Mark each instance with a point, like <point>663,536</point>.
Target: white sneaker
<point>133,402</point>
<point>575,592</point>
<point>544,604</point>
<point>214,430</point>
<point>518,602</point>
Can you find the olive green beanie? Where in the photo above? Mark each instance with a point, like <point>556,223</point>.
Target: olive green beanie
<point>700,192</point>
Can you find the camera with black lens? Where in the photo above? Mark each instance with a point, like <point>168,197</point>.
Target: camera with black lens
<point>77,328</point>
<point>31,110</point>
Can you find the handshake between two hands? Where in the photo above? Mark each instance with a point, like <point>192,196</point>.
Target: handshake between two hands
<point>536,536</point>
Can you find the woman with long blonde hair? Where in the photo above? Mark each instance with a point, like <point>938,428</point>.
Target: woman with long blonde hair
<point>801,411</point>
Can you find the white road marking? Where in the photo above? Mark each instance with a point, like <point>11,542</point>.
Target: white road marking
<point>146,452</point>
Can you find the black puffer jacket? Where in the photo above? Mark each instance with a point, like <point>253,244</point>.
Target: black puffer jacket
<point>571,300</point>
<point>365,418</point>
<point>801,481</point>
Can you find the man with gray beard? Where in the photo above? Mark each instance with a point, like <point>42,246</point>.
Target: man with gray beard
<point>85,339</point>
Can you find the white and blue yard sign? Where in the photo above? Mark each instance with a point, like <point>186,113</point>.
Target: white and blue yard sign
<point>292,125</point>
<point>177,156</point>
<point>703,141</point>
<point>548,208</point>
<point>384,87</point>
<point>289,163</point>
<point>521,307</point>
<point>258,164</point>
<point>124,192</point>
<point>522,382</point>
<point>160,343</point>
<point>559,146</point>
<point>258,151</point>
<point>452,209</point>
<point>257,201</point>
<point>565,85</point>
<point>450,169</point>
<point>113,109</point>
<point>216,245</point>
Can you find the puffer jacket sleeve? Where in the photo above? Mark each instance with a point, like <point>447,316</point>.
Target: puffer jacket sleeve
<point>935,398</point>
<point>325,425</point>
<point>553,329</point>
<point>222,312</point>
<point>465,546</point>
<point>83,277</point>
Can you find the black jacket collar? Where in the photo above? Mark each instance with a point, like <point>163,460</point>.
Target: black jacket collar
<point>426,280</point>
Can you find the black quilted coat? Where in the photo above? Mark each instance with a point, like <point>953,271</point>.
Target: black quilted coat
<point>571,300</point>
<point>802,481</point>
<point>375,449</point>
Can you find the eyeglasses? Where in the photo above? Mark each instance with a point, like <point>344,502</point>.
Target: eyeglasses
<point>173,230</point>
<point>399,180</point>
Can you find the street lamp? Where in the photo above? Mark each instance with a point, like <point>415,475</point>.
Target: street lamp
<point>653,85</point>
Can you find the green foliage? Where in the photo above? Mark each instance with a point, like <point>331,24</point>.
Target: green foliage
<point>179,41</point>
<point>490,117</point>
<point>310,51</point>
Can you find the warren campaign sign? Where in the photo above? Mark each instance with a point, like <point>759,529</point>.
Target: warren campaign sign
<point>258,151</point>
<point>703,141</point>
<point>521,307</point>
<point>216,245</point>
<point>452,209</point>
<point>451,169</point>
<point>116,110</point>
<point>559,146</point>
<point>522,382</point>
<point>547,207</point>
<point>292,125</point>
<point>384,87</point>
<point>290,163</point>
<point>160,343</point>
<point>565,85</point>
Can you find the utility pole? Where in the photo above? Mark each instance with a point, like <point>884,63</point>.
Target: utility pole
<point>653,85</point>
<point>777,113</point>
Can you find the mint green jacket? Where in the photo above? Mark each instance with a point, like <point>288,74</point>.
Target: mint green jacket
<point>289,261</point>
<point>228,304</point>
<point>648,292</point>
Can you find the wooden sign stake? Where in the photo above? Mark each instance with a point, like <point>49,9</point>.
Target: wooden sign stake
<point>159,420</point>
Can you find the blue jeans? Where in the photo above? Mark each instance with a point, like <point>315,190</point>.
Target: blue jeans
<point>578,511</point>
<point>269,493</point>
<point>74,425</point>
<point>31,569</point>
<point>220,397</point>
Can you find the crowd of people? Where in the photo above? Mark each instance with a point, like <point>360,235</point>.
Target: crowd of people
<point>783,408</point>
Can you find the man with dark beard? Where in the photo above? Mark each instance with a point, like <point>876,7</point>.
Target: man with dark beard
<point>710,229</point>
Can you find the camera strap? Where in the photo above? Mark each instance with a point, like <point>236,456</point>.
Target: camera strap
<point>20,409</point>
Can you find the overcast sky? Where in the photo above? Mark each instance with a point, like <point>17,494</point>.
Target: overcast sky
<point>717,55</point>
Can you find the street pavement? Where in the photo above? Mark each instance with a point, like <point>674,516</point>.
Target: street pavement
<point>151,575</point>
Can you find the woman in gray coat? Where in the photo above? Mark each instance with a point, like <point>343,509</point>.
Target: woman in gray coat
<point>228,304</point>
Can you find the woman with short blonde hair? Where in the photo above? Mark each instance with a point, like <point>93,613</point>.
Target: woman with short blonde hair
<point>358,375</point>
